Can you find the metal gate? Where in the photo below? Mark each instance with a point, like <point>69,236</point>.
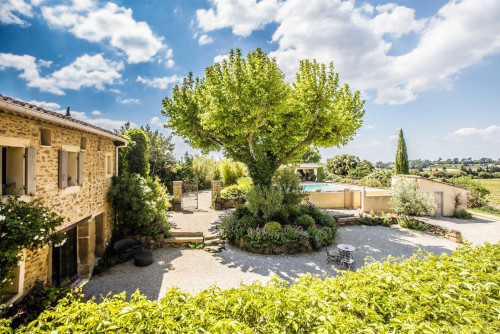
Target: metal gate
<point>189,196</point>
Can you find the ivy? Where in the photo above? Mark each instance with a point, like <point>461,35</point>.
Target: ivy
<point>24,225</point>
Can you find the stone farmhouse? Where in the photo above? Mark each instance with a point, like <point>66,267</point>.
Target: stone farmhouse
<point>68,164</point>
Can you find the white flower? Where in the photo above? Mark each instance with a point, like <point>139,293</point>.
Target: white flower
<point>36,237</point>
<point>2,217</point>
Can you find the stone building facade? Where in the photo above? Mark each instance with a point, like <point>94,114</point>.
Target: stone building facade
<point>69,165</point>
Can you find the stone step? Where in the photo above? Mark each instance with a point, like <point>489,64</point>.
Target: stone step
<point>183,240</point>
<point>343,215</point>
<point>185,234</point>
<point>211,236</point>
<point>212,242</point>
<point>347,220</point>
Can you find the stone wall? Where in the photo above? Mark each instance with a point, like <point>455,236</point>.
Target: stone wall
<point>74,203</point>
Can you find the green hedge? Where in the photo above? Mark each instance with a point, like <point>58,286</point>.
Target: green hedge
<point>424,294</point>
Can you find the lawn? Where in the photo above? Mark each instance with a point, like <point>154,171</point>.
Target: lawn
<point>493,185</point>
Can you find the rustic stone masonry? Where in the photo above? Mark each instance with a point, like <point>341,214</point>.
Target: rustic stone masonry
<point>78,204</point>
<point>453,235</point>
<point>177,195</point>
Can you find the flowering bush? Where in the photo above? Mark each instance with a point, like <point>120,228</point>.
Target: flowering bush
<point>24,225</point>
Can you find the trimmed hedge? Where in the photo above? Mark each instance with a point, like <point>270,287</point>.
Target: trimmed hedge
<point>424,294</point>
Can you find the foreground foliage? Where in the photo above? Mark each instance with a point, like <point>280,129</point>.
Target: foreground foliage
<point>424,294</point>
<point>407,199</point>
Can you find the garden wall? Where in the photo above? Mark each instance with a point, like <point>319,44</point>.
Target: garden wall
<point>350,199</point>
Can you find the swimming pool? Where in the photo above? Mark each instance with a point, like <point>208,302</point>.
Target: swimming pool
<point>322,187</point>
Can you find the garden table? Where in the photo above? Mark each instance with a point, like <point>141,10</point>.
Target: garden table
<point>346,255</point>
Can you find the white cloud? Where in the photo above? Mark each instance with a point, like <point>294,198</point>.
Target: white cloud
<point>394,137</point>
<point>11,10</point>
<point>128,101</point>
<point>156,121</point>
<point>370,126</point>
<point>105,123</point>
<point>374,142</point>
<point>46,105</point>
<point>242,16</point>
<point>220,58</point>
<point>89,21</point>
<point>358,39</point>
<point>85,71</point>
<point>490,133</point>
<point>161,83</point>
<point>205,39</point>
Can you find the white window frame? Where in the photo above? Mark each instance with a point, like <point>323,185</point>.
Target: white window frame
<point>75,188</point>
<point>10,142</point>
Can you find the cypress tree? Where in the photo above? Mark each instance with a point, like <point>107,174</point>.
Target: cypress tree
<point>402,156</point>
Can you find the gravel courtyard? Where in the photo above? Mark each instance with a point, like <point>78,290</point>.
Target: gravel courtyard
<point>193,270</point>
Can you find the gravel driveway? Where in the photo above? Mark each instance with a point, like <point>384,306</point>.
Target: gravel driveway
<point>194,270</point>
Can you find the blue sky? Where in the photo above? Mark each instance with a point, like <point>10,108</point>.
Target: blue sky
<point>429,67</point>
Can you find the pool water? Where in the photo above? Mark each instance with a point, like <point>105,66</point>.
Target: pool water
<point>322,187</point>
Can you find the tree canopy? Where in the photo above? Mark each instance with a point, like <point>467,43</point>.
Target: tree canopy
<point>245,108</point>
<point>311,155</point>
<point>342,164</point>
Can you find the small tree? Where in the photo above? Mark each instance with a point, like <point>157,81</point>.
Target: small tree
<point>312,155</point>
<point>408,200</point>
<point>140,205</point>
<point>135,157</point>
<point>246,108</point>
<point>342,164</point>
<point>402,166</point>
<point>262,201</point>
<point>161,155</point>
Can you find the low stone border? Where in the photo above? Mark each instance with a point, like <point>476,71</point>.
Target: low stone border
<point>453,235</point>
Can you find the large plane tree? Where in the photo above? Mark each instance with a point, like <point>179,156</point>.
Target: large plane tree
<point>245,108</point>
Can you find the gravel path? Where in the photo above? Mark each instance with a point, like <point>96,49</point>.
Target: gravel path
<point>194,270</point>
<point>477,230</point>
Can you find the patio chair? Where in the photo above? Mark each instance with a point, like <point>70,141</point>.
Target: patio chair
<point>127,248</point>
<point>332,256</point>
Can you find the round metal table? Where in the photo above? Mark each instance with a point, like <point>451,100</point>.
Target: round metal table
<point>345,252</point>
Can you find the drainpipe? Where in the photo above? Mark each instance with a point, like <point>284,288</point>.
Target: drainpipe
<point>116,156</point>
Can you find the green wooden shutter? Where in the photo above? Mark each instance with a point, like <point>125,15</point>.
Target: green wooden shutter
<point>79,179</point>
<point>63,169</point>
<point>30,161</point>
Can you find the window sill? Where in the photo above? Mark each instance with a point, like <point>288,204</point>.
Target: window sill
<point>70,190</point>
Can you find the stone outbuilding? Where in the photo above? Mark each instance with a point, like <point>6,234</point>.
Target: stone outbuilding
<point>448,197</point>
<point>68,164</point>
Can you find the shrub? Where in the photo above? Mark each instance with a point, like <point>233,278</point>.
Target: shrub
<point>239,190</point>
<point>320,236</point>
<point>140,205</point>
<point>407,199</point>
<point>24,225</point>
<point>288,183</point>
<point>241,210</point>
<point>262,201</point>
<point>273,226</point>
<point>410,223</point>
<point>446,294</point>
<point>232,229</point>
<point>462,214</point>
<point>280,214</point>
<point>305,221</point>
<point>250,221</point>
<point>378,178</point>
<point>231,171</point>
<point>476,192</point>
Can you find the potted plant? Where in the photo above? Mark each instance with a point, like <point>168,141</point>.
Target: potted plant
<point>217,203</point>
